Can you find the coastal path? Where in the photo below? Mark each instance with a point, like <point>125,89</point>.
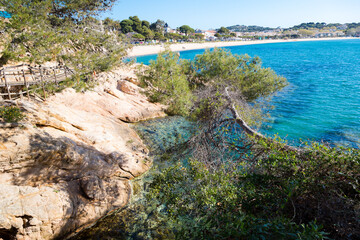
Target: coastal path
<point>16,80</point>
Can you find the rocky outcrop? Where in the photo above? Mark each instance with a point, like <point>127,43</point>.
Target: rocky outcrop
<point>71,161</point>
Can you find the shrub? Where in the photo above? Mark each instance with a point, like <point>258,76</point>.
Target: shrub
<point>168,83</point>
<point>11,114</point>
<point>204,204</point>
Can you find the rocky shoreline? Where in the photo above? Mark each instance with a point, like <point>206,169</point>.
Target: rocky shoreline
<point>71,161</point>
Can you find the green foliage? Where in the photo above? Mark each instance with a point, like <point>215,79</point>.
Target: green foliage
<point>174,36</point>
<point>80,83</point>
<point>353,31</point>
<point>11,114</point>
<point>145,23</point>
<point>63,31</point>
<point>158,26</point>
<point>269,192</point>
<point>112,25</point>
<point>199,36</point>
<point>159,36</point>
<point>126,26</point>
<point>174,82</point>
<point>283,195</point>
<point>138,36</point>
<point>141,28</point>
<point>186,29</point>
<point>242,28</point>
<point>308,25</point>
<point>169,83</point>
<point>223,30</point>
<point>241,72</point>
<point>223,204</point>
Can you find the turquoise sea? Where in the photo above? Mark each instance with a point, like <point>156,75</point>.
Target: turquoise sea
<point>322,101</point>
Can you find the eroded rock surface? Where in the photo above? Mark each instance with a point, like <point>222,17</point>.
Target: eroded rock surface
<point>72,160</point>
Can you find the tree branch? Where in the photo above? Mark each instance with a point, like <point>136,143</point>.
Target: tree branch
<point>248,130</point>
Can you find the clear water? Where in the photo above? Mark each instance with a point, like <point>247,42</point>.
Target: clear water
<point>322,102</point>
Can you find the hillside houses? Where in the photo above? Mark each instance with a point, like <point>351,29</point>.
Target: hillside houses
<point>210,35</point>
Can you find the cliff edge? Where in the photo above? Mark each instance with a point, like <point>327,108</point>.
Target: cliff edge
<point>71,160</point>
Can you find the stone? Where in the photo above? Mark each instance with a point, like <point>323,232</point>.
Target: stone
<point>132,79</point>
<point>92,187</point>
<point>127,87</point>
<point>72,163</point>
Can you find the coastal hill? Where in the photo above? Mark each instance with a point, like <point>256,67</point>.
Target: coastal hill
<point>243,28</point>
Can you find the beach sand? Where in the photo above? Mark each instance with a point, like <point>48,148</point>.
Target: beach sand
<point>154,49</point>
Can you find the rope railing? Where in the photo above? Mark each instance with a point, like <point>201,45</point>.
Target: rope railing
<point>23,76</point>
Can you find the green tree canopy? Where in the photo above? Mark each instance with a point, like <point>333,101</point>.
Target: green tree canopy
<point>126,26</point>
<point>167,75</point>
<point>186,29</point>
<point>216,70</point>
<point>147,33</point>
<point>158,26</point>
<point>113,25</point>
<point>136,24</point>
<point>159,36</point>
<point>174,36</point>
<point>199,36</point>
<point>241,72</point>
<point>145,23</point>
<point>138,36</point>
<point>223,30</point>
<point>306,33</point>
<point>64,31</point>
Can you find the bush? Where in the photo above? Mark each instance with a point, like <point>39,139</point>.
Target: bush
<point>243,73</point>
<point>203,204</point>
<point>284,195</point>
<point>176,82</point>
<point>11,114</point>
<point>168,83</point>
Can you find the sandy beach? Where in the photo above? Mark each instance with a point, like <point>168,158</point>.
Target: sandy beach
<point>154,49</point>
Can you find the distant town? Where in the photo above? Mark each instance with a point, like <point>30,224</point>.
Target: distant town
<point>141,31</point>
<point>138,31</point>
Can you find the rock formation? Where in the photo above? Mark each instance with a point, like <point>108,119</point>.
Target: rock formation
<point>72,159</point>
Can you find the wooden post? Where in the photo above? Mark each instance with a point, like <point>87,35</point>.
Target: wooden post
<point>6,85</point>
<point>26,84</point>
<point>65,72</point>
<point>32,75</point>
<point>55,77</point>
<point>42,81</point>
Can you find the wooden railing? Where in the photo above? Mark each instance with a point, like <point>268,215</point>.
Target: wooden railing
<point>16,80</point>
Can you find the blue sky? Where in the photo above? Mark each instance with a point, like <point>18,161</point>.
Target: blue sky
<point>205,14</point>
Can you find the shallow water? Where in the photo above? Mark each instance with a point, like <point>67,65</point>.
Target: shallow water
<point>322,102</point>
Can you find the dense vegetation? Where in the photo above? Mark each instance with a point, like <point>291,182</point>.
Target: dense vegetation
<point>11,114</point>
<point>142,30</point>
<point>179,83</point>
<point>223,183</point>
<point>62,31</point>
<point>243,28</point>
<point>229,184</point>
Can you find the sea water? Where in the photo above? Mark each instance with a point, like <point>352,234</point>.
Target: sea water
<point>322,100</point>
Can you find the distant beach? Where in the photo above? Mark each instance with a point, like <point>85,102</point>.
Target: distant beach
<point>154,49</point>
